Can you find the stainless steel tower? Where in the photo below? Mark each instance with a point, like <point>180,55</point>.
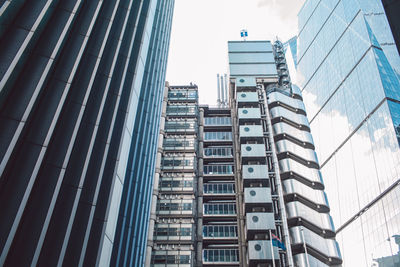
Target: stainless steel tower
<point>278,169</point>
<point>257,196</point>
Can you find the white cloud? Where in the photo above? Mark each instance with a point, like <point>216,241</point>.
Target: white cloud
<point>286,9</point>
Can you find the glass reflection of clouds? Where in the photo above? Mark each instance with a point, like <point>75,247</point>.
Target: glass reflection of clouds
<point>348,68</point>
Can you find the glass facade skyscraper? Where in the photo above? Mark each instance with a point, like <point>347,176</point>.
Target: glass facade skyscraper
<point>81,90</point>
<point>348,68</point>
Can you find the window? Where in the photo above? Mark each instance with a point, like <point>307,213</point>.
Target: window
<point>180,125</point>
<point>220,231</point>
<point>175,183</point>
<point>228,188</point>
<point>187,206</point>
<point>178,94</point>
<point>170,259</point>
<point>220,255</point>
<point>168,206</point>
<point>169,162</point>
<point>220,209</point>
<point>178,143</point>
<point>218,136</point>
<point>184,259</point>
<point>218,169</point>
<point>218,151</point>
<point>181,110</point>
<point>217,121</point>
<point>172,231</point>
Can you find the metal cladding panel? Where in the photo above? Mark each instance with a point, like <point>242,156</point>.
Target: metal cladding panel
<point>247,97</point>
<point>284,146</point>
<point>294,187</point>
<point>252,58</point>
<point>249,113</point>
<point>249,46</point>
<point>280,112</point>
<point>282,128</point>
<point>322,221</point>
<point>277,97</point>
<point>307,260</point>
<point>296,91</point>
<point>254,69</point>
<point>260,221</point>
<point>322,247</point>
<point>246,81</point>
<point>257,195</point>
<point>253,150</point>
<point>255,172</point>
<point>261,250</point>
<point>251,131</point>
<point>304,202</point>
<point>245,57</point>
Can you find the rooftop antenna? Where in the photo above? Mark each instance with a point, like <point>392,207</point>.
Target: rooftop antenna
<point>226,89</point>
<point>219,92</point>
<point>243,34</point>
<point>222,91</point>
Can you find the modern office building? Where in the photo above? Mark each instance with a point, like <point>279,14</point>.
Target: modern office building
<point>348,68</point>
<point>249,191</point>
<point>81,92</point>
<point>173,220</point>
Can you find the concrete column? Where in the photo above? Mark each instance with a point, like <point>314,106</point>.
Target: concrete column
<point>199,243</point>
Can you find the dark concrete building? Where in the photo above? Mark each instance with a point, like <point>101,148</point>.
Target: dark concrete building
<point>392,10</point>
<point>81,89</point>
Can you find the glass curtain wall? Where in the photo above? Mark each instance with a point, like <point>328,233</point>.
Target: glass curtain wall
<point>348,68</point>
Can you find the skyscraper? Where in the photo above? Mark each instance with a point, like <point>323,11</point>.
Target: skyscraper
<point>348,68</point>
<point>249,191</point>
<point>80,97</point>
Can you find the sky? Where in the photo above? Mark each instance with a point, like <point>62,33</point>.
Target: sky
<point>202,28</point>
